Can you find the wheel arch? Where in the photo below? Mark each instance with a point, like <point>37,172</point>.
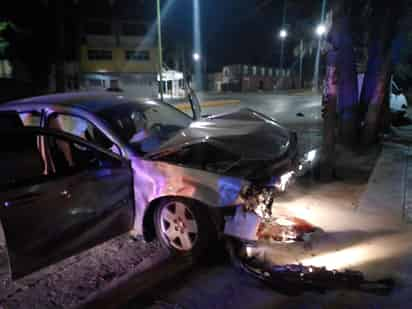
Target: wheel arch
<point>149,232</point>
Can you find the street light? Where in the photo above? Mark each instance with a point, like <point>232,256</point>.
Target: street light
<point>159,46</point>
<point>283,34</point>
<point>320,30</point>
<point>196,57</point>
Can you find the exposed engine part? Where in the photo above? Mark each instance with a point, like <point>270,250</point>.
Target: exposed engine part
<point>258,225</point>
<point>259,200</point>
<point>297,278</point>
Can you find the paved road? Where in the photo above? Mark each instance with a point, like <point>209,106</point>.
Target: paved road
<point>283,107</point>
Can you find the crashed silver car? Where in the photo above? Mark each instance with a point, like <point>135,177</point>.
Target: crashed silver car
<point>80,168</point>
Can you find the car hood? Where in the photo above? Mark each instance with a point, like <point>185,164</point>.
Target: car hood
<point>247,133</point>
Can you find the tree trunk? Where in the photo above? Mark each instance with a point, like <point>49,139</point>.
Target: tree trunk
<point>348,85</point>
<point>378,75</point>
<point>329,102</point>
<point>374,115</point>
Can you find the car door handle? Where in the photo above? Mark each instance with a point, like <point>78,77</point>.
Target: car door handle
<point>21,199</point>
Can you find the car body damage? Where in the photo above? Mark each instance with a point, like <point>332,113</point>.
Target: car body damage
<point>199,165</point>
<point>255,219</point>
<point>240,160</point>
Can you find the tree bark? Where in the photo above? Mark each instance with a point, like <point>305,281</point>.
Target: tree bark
<point>374,115</point>
<point>377,79</point>
<point>329,102</point>
<point>348,85</point>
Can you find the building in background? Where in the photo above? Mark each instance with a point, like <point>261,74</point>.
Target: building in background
<point>247,78</point>
<point>113,51</point>
<point>251,78</point>
<point>173,84</point>
<point>214,81</point>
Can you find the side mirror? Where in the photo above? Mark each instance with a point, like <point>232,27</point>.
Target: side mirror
<point>194,101</point>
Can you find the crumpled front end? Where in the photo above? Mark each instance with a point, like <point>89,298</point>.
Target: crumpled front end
<point>256,220</point>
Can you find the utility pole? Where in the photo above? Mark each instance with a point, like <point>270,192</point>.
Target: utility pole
<point>317,60</point>
<point>282,42</point>
<point>159,46</point>
<point>301,64</point>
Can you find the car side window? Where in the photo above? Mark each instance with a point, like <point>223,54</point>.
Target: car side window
<point>69,157</point>
<point>82,128</point>
<point>24,162</point>
<point>30,119</point>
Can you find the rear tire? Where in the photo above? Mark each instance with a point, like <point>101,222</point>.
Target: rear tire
<point>183,227</point>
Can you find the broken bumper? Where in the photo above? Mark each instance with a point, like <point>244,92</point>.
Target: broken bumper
<point>254,221</point>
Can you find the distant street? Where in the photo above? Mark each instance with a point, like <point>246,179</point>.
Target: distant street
<point>299,111</point>
<point>282,106</point>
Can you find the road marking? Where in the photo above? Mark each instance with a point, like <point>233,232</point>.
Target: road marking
<point>216,103</point>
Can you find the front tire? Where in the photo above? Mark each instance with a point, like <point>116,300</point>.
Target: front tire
<point>182,227</point>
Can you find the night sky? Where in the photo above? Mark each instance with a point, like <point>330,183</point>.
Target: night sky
<point>233,31</point>
<point>238,31</point>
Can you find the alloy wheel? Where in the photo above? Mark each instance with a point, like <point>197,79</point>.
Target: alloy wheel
<point>178,226</point>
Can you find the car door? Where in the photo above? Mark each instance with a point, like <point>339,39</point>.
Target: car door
<point>49,213</point>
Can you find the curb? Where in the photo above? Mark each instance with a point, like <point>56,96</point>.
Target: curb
<point>385,194</point>
<point>206,104</point>
<point>147,275</point>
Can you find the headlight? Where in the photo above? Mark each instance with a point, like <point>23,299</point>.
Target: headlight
<point>284,180</point>
<point>311,155</point>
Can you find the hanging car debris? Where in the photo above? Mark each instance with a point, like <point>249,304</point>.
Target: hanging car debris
<point>297,278</point>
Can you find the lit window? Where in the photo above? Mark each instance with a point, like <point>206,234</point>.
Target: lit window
<point>142,55</point>
<point>245,70</point>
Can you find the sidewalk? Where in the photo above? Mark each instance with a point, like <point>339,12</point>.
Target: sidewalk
<point>390,186</point>
<point>389,192</point>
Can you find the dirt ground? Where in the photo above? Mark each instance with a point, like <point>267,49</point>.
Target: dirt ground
<point>69,283</point>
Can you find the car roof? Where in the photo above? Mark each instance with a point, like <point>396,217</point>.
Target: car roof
<point>90,101</point>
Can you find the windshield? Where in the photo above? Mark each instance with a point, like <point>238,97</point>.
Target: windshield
<point>145,126</point>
